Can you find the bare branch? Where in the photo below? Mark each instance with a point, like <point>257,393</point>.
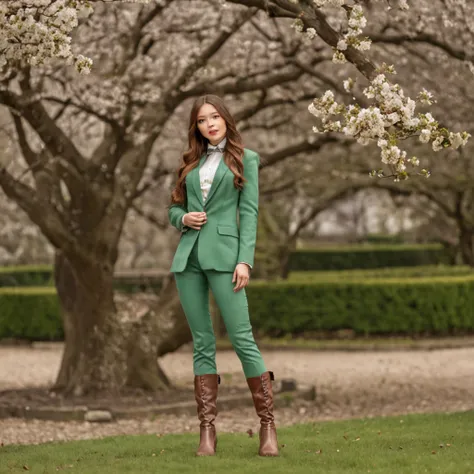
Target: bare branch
<point>207,53</point>
<point>32,159</point>
<point>161,224</point>
<point>42,213</point>
<point>300,147</point>
<point>422,37</point>
<point>82,107</point>
<point>322,205</point>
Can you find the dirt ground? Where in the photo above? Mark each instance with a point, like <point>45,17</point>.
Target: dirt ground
<point>348,384</point>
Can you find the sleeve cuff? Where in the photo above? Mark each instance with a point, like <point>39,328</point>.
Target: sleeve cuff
<point>184,227</point>
<point>250,266</point>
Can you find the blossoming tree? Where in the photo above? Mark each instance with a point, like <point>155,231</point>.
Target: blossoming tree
<point>94,144</point>
<point>90,140</point>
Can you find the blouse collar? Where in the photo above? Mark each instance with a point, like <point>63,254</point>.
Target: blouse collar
<point>219,147</point>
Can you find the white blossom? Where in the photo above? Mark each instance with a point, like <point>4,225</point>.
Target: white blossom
<point>342,45</point>
<point>425,97</point>
<point>311,33</point>
<point>425,135</point>
<point>363,45</point>
<point>348,84</point>
<point>391,118</point>
<point>437,143</point>
<point>339,58</point>
<point>458,139</point>
<point>298,25</point>
<point>403,5</point>
<point>37,31</point>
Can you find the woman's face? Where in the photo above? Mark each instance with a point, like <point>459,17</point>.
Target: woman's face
<point>211,125</point>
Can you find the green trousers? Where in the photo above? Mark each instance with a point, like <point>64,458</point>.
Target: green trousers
<point>193,288</point>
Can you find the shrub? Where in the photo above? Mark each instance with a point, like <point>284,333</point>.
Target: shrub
<point>435,305</point>
<point>364,257</point>
<point>30,313</point>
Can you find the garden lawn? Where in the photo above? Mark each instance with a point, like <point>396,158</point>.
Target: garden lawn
<point>438,443</point>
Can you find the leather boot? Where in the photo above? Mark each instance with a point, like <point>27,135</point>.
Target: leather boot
<point>205,392</point>
<point>262,394</point>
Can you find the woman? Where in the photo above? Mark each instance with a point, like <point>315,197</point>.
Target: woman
<point>218,183</point>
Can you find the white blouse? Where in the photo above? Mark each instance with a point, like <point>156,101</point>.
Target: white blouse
<point>209,168</point>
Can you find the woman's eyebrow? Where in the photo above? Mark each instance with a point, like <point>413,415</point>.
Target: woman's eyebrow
<point>203,116</point>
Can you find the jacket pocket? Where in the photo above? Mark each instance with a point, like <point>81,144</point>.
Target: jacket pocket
<point>228,230</point>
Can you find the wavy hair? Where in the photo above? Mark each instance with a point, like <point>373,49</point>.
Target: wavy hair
<point>233,153</point>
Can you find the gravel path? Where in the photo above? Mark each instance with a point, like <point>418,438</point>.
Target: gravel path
<point>348,385</point>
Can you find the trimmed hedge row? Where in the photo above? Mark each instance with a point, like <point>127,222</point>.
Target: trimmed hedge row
<point>437,305</point>
<point>319,259</point>
<point>30,313</point>
<point>364,257</point>
<point>390,272</point>
<point>42,275</point>
<point>26,275</point>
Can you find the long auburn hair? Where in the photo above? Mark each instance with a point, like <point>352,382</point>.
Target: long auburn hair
<point>233,153</point>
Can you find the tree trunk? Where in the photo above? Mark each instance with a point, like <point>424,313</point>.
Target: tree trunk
<point>284,255</point>
<point>466,246</point>
<point>109,344</point>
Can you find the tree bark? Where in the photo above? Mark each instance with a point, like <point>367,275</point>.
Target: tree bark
<point>466,245</point>
<point>284,258</point>
<point>110,344</point>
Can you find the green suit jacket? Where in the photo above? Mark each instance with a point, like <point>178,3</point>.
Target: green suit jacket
<point>230,233</point>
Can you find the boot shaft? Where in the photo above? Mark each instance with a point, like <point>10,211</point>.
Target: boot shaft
<point>205,393</point>
<point>262,394</point>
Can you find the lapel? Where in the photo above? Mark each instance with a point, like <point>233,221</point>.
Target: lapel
<point>220,173</point>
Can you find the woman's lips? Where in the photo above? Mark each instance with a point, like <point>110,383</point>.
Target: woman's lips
<point>213,132</point>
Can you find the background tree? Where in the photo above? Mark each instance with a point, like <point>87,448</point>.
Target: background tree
<point>96,146</point>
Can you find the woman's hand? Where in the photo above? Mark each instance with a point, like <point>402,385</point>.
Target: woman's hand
<point>241,275</point>
<point>195,219</point>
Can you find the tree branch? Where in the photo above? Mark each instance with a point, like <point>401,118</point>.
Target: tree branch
<point>173,93</point>
<point>421,37</point>
<point>32,159</point>
<point>303,146</point>
<point>42,213</point>
<point>312,17</point>
<point>160,224</point>
<point>323,205</point>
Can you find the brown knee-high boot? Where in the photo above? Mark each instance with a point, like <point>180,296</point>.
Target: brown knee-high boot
<point>205,392</point>
<point>262,394</point>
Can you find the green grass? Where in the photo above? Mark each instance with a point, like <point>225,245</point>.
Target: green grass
<point>415,444</point>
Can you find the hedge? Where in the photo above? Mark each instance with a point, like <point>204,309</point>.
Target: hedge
<point>26,275</point>
<point>316,259</point>
<point>390,272</point>
<point>436,305</point>
<point>433,305</point>
<point>42,275</point>
<point>368,256</point>
<point>384,239</point>
<point>30,313</point>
